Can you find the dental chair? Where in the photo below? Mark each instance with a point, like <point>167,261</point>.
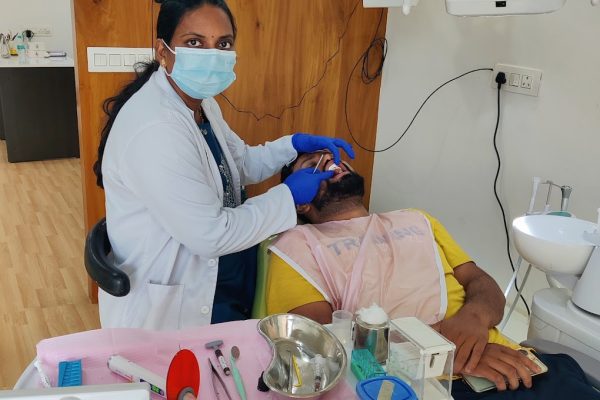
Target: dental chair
<point>99,263</point>
<point>259,308</point>
<point>100,267</point>
<point>589,365</point>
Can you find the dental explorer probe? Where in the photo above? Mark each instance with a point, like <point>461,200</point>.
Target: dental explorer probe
<point>317,166</point>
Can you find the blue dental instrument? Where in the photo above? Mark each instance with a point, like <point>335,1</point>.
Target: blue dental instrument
<point>69,373</point>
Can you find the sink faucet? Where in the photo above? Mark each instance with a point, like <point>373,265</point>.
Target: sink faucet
<point>566,194</point>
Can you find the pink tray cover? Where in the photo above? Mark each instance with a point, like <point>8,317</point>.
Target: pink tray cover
<point>154,350</point>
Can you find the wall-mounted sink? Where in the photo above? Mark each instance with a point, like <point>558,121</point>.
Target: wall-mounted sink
<point>554,244</point>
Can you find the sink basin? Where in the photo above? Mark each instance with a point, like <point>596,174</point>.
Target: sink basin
<point>554,244</point>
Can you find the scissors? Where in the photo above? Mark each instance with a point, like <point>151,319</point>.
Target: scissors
<point>216,379</point>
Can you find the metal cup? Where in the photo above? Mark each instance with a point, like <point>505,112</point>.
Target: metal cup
<point>373,337</point>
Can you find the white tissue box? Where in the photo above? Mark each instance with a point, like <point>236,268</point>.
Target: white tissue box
<point>421,357</point>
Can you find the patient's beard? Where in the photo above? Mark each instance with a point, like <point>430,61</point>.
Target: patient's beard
<point>341,195</point>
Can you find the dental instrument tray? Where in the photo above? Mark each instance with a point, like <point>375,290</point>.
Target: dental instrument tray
<point>308,360</point>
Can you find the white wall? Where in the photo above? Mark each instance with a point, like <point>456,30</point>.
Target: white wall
<point>446,163</point>
<point>18,15</point>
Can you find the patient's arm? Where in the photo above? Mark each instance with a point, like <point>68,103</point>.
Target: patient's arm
<point>483,309</point>
<point>319,311</point>
<point>483,295</point>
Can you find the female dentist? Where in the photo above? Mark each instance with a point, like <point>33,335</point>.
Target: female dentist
<point>172,171</point>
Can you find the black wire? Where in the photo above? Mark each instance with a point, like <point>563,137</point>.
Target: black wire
<point>414,117</point>
<point>376,42</point>
<point>310,89</point>
<point>366,75</point>
<point>500,204</point>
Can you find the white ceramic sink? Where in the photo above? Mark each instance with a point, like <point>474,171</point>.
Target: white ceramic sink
<point>552,243</point>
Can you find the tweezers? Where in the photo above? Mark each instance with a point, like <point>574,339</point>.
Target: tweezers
<point>216,378</point>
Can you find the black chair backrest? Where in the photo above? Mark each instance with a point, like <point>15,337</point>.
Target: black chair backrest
<point>100,266</point>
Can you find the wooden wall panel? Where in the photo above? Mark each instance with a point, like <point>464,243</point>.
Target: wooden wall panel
<point>102,23</point>
<point>284,48</point>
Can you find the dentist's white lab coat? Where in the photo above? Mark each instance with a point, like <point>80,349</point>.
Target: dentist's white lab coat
<point>164,194</point>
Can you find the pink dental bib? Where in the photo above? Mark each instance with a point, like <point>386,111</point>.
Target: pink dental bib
<point>389,259</point>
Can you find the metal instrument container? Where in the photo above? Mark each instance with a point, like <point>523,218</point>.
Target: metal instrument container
<point>373,337</point>
<point>295,341</point>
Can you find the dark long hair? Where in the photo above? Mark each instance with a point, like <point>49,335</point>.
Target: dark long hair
<point>171,13</point>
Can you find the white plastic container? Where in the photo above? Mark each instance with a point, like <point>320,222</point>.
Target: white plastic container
<point>421,357</point>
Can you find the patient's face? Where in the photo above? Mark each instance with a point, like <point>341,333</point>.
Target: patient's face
<point>346,183</point>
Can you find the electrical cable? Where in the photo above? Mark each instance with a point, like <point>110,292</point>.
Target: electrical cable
<point>512,266</point>
<point>365,57</point>
<point>313,86</point>
<point>414,117</point>
<point>376,42</point>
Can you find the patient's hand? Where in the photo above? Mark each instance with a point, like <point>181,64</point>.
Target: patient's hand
<point>470,335</point>
<point>505,366</point>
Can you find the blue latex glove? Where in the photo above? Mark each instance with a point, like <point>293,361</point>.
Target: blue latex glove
<point>305,143</point>
<point>304,185</point>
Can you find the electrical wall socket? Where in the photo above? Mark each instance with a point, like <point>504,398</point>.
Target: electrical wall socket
<point>522,80</point>
<point>41,30</point>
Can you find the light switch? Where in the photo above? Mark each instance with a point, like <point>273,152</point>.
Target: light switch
<point>130,59</point>
<point>515,80</point>
<point>143,58</point>
<point>100,60</point>
<point>115,60</point>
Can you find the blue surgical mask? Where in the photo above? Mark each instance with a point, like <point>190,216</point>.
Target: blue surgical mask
<point>202,73</point>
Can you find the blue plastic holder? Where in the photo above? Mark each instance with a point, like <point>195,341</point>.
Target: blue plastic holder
<point>364,365</point>
<point>369,389</point>
<point>69,373</point>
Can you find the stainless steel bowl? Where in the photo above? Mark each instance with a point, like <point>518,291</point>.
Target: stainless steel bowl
<point>295,341</point>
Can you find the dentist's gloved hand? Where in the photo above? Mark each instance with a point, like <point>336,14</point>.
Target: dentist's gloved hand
<point>305,143</point>
<point>304,185</point>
